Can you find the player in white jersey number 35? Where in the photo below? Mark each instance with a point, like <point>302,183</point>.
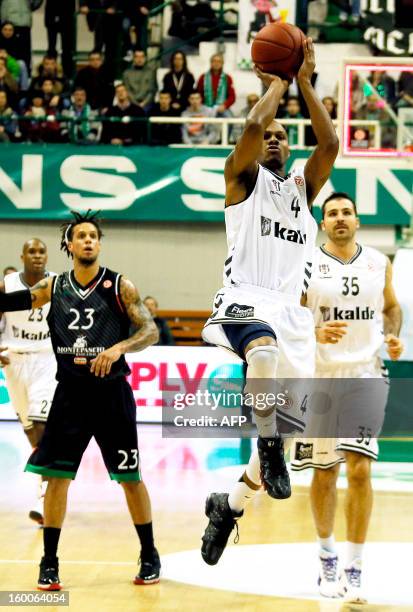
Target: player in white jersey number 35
<point>257,314</point>
<point>27,355</point>
<point>353,305</point>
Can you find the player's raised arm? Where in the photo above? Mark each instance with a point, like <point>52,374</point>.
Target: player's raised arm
<point>319,166</point>
<point>27,299</point>
<point>248,148</point>
<point>392,317</point>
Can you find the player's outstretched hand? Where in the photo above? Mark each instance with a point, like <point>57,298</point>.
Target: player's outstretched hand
<point>331,332</point>
<point>308,65</point>
<point>4,360</point>
<point>102,364</point>
<point>394,347</point>
<point>268,78</point>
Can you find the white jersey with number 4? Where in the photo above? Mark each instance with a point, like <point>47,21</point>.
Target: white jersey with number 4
<point>25,331</point>
<point>351,292</point>
<point>271,235</point>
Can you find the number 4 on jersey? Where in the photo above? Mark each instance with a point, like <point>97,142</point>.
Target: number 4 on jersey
<point>295,207</point>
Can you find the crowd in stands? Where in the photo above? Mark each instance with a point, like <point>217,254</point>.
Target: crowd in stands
<point>96,103</point>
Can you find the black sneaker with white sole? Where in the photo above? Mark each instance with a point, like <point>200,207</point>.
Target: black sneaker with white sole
<point>49,574</point>
<point>150,569</point>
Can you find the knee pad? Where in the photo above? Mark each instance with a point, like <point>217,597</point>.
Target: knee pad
<point>262,361</point>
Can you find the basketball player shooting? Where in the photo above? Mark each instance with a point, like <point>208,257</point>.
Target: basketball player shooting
<point>257,314</point>
<point>91,311</point>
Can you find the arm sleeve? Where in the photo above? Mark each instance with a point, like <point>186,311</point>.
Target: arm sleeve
<point>17,300</point>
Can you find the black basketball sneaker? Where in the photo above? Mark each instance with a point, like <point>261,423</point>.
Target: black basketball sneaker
<point>49,574</point>
<point>274,473</point>
<point>222,521</point>
<point>150,569</point>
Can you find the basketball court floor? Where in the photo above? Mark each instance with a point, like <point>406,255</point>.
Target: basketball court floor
<point>273,567</point>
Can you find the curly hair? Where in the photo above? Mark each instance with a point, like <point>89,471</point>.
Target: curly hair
<point>68,227</point>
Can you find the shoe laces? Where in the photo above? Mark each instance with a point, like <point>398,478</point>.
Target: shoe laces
<point>236,539</point>
<point>353,576</point>
<point>329,565</point>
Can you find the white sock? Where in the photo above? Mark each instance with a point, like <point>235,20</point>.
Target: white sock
<point>353,551</point>
<point>240,495</point>
<point>328,544</point>
<point>253,468</point>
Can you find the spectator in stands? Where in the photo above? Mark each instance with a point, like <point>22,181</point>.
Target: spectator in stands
<point>8,84</point>
<point>135,23</point>
<point>237,129</point>
<point>198,133</point>
<point>59,19</point>
<point>351,12</point>
<point>373,110</point>
<point>53,102</point>
<point>124,132</point>
<point>179,81</point>
<point>216,88</point>
<point>8,125</point>
<point>190,20</point>
<point>83,127</point>
<point>165,133</point>
<point>95,81</point>
<point>17,69</point>
<point>42,127</point>
<point>330,106</point>
<point>382,84</point>
<point>405,87</point>
<point>19,13</point>
<point>8,39</point>
<point>165,335</point>
<point>49,68</point>
<point>293,111</point>
<point>9,270</point>
<point>106,26</point>
<point>140,81</point>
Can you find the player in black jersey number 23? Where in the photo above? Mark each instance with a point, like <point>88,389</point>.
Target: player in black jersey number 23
<point>90,315</point>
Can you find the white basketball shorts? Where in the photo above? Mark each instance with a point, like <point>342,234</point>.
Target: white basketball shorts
<point>31,382</point>
<point>293,326</point>
<point>359,404</point>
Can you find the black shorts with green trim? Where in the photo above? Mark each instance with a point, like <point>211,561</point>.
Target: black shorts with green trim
<point>86,408</point>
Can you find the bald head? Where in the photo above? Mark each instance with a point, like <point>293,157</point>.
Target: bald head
<point>34,258</point>
<point>33,242</point>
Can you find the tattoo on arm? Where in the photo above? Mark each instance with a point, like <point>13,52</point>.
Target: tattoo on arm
<point>146,332</point>
<point>38,293</point>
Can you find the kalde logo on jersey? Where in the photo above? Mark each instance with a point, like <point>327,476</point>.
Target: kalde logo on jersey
<point>303,451</point>
<point>281,232</point>
<point>346,314</point>
<point>22,334</point>
<point>239,311</point>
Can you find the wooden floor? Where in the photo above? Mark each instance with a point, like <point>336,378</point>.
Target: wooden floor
<point>98,550</point>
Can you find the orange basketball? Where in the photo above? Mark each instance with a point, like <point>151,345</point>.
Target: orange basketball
<point>278,49</point>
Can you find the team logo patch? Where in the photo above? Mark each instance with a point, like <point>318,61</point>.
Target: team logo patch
<point>265,226</point>
<point>325,313</point>
<point>239,311</point>
<point>299,181</point>
<point>107,284</point>
<point>303,451</point>
<point>80,361</point>
<point>324,268</point>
